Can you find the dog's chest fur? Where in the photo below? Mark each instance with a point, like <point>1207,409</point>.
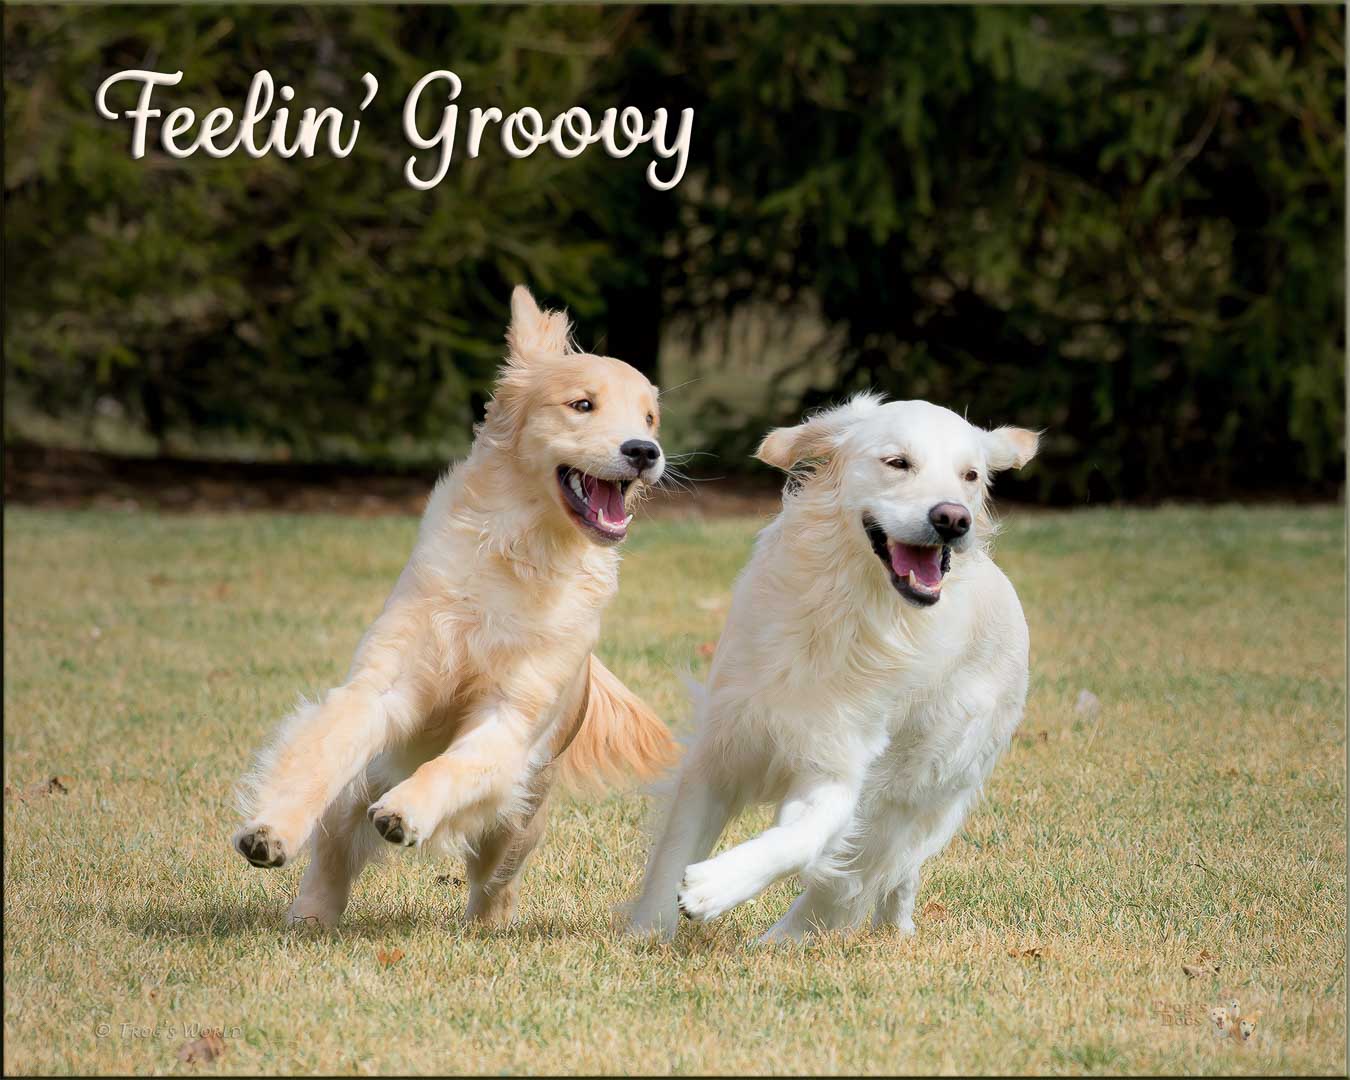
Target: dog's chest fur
<point>867,681</point>
<point>942,740</point>
<point>946,729</point>
<point>503,610</point>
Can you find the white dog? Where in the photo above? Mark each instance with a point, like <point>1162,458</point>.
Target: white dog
<point>872,670</point>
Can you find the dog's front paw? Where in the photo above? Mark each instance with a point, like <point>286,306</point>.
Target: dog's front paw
<point>394,824</point>
<point>705,892</point>
<point>261,846</point>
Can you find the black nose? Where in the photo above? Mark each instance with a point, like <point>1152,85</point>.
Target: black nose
<point>641,453</point>
<point>950,520</point>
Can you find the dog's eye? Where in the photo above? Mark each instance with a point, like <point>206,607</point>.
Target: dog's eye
<point>650,419</point>
<point>971,476</point>
<point>901,463</point>
<point>582,404</point>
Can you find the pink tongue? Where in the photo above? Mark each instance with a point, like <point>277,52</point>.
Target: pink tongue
<point>926,562</point>
<point>602,495</point>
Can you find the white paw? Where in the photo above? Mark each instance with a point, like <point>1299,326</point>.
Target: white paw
<point>708,890</point>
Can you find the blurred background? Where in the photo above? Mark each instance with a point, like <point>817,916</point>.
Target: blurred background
<point>1122,224</point>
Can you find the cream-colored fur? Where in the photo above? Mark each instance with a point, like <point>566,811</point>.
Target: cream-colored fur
<point>476,683</point>
<point>869,719</point>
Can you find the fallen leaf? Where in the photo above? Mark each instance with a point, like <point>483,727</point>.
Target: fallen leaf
<point>933,911</point>
<point>446,879</point>
<point>158,579</point>
<point>202,1051</point>
<point>1031,952</point>
<point>707,648</point>
<point>1204,965</point>
<point>389,958</point>
<point>221,590</point>
<point>1088,703</point>
<point>711,603</point>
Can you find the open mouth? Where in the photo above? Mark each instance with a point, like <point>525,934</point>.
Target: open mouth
<point>917,570</point>
<point>597,504</point>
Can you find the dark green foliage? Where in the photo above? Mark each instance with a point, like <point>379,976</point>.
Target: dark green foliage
<point>1123,225</point>
<point>290,298</point>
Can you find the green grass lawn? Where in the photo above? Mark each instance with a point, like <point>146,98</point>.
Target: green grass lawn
<point>1200,812</point>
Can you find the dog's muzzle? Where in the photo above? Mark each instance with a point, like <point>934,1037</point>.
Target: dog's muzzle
<point>917,571</point>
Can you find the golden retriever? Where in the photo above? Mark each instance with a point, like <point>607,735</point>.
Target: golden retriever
<point>872,670</point>
<point>476,685</point>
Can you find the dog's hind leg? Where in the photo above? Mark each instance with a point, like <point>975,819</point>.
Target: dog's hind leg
<point>822,906</point>
<point>896,907</point>
<point>698,814</point>
<point>497,860</point>
<point>896,841</point>
<point>343,843</point>
<point>494,867</point>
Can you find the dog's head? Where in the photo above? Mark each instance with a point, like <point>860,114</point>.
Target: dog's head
<point>911,475</point>
<point>582,427</point>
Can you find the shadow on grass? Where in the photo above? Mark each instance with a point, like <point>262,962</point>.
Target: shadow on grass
<point>221,919</point>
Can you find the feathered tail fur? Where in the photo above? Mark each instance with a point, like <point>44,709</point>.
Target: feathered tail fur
<point>619,736</point>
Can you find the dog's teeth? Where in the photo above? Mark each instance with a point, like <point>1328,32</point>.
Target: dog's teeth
<point>575,481</point>
<point>628,521</point>
<point>600,517</point>
<point>923,586</point>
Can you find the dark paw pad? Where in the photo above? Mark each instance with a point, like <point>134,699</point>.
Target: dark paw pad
<point>390,825</point>
<point>260,847</point>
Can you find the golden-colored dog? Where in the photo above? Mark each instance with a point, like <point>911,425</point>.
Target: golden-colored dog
<point>476,684</point>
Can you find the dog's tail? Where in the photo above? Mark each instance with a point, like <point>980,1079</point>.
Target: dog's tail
<point>619,736</point>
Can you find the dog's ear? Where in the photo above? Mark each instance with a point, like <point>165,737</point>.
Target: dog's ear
<point>818,437</point>
<point>1010,447</point>
<point>535,335</point>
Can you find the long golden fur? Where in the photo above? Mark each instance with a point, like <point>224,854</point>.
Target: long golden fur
<point>476,689</point>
